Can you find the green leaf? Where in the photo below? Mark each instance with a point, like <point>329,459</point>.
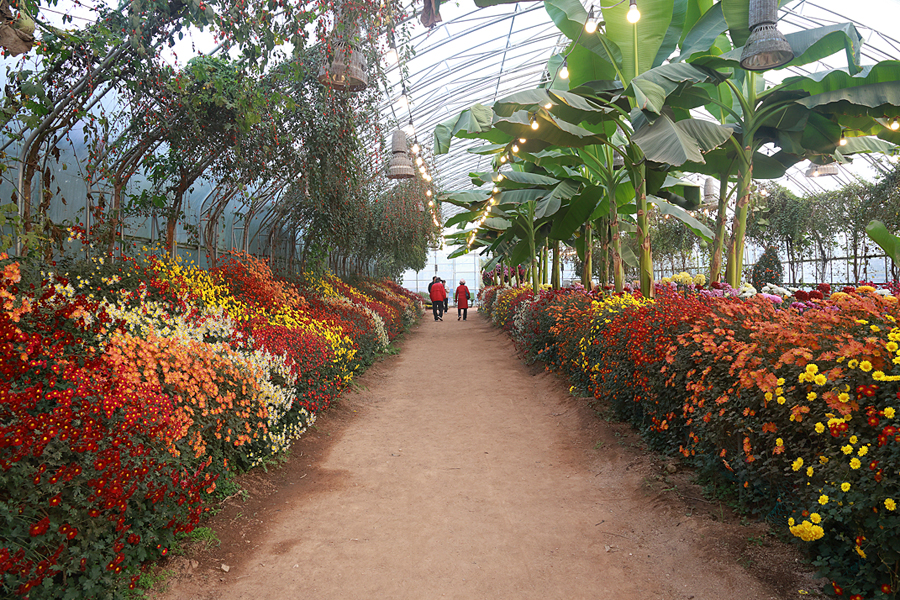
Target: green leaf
<point>888,242</point>
<point>569,17</point>
<point>580,208</point>
<point>703,34</point>
<point>551,203</point>
<point>519,196</point>
<point>698,228</point>
<point>639,42</point>
<point>529,179</point>
<point>674,143</point>
<point>867,144</point>
<point>556,132</point>
<point>650,89</point>
<point>737,16</point>
<point>673,33</point>
<point>465,198</point>
<point>462,218</point>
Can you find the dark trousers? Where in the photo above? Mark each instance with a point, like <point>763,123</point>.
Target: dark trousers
<point>461,311</point>
<point>437,307</point>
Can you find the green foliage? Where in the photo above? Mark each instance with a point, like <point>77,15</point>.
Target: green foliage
<point>768,269</point>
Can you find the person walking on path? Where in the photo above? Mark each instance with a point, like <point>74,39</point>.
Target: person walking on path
<point>461,297</point>
<point>438,296</point>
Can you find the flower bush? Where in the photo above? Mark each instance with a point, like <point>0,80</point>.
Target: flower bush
<point>128,389</point>
<point>789,398</point>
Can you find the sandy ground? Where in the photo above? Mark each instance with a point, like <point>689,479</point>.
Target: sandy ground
<point>455,471</point>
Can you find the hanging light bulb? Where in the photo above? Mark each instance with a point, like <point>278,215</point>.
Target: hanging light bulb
<point>842,141</point>
<point>522,140</point>
<point>419,161</point>
<point>496,190</point>
<point>392,57</point>
<point>634,15</point>
<point>427,177</point>
<point>549,105</point>
<point>564,72</point>
<point>422,169</point>
<point>515,148</point>
<point>500,177</point>
<point>403,100</point>
<point>415,148</point>
<point>428,193</point>
<point>503,158</point>
<point>590,26</point>
<point>895,125</point>
<point>409,129</point>
<point>534,123</point>
<point>431,203</point>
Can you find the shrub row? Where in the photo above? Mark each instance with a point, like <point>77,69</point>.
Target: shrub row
<point>793,404</point>
<point>127,390</point>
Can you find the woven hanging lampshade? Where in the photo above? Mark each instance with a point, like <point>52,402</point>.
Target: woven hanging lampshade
<point>618,159</point>
<point>766,48</point>
<point>347,70</point>
<point>830,169</point>
<point>401,166</point>
<point>710,193</point>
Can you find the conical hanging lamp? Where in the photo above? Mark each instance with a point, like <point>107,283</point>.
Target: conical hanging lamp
<point>347,70</point>
<point>401,166</point>
<point>766,48</point>
<point>710,193</point>
<point>348,67</point>
<point>618,159</point>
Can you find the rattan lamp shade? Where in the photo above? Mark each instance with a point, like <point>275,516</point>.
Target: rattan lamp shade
<point>347,70</point>
<point>401,166</point>
<point>766,48</point>
<point>710,193</point>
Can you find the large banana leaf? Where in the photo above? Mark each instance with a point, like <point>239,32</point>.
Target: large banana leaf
<point>462,218</point>
<point>698,228</point>
<point>464,198</point>
<point>676,142</point>
<point>889,242</point>
<point>545,158</point>
<point>639,42</point>
<point>569,17</point>
<point>696,9</point>
<point>520,179</point>
<point>651,88</point>
<point>722,160</point>
<point>577,213</point>
<point>809,45</point>
<point>868,144</point>
<point>519,196</point>
<point>674,33</point>
<point>568,107</point>
<point>556,132</point>
<point>472,122</point>
<point>550,204</point>
<point>703,33</point>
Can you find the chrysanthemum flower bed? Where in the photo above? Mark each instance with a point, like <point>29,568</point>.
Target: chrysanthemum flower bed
<point>792,402</point>
<point>127,390</point>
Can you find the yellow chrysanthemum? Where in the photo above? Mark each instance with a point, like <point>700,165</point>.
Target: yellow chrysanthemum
<point>797,464</point>
<point>820,379</point>
<point>812,368</point>
<point>815,518</point>
<point>845,487</point>
<point>852,363</point>
<point>809,471</point>
<point>854,463</point>
<point>823,499</point>
<point>863,450</point>
<point>823,459</point>
<point>780,400</point>
<point>889,412</point>
<point>779,442</point>
<point>865,366</point>
<point>819,427</point>
<point>891,346</point>
<point>848,449</point>
<point>811,396</point>
<point>844,397</point>
<point>853,438</point>
<point>890,504</point>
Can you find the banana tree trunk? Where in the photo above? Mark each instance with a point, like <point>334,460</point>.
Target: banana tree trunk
<point>643,232</point>
<point>586,279</point>
<point>604,252</point>
<point>715,262</point>
<point>544,273</point>
<point>735,265</point>
<point>555,276</point>
<point>615,245</point>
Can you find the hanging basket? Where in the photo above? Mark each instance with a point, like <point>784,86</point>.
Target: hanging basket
<point>401,165</point>
<point>347,70</point>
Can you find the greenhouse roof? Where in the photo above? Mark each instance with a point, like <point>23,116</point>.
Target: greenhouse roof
<point>479,55</point>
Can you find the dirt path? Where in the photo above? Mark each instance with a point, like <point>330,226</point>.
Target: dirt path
<point>458,472</point>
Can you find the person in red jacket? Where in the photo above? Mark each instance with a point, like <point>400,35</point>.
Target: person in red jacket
<point>438,295</point>
<point>461,297</point>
